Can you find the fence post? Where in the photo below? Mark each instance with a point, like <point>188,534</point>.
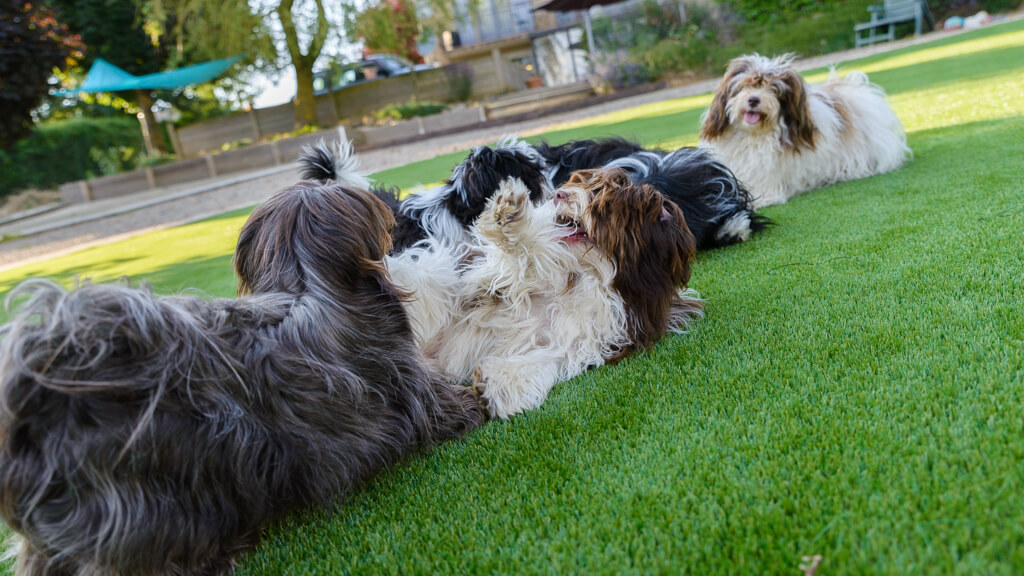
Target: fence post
<point>175,140</point>
<point>499,68</point>
<point>211,165</point>
<point>151,176</point>
<point>276,153</point>
<point>86,190</point>
<point>256,132</point>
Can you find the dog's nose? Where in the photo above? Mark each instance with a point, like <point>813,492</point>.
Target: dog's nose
<point>560,196</point>
<point>753,101</point>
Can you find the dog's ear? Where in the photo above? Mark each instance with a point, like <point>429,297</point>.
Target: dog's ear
<point>651,246</point>
<point>716,120</point>
<point>796,113</point>
<point>580,177</point>
<point>313,235</point>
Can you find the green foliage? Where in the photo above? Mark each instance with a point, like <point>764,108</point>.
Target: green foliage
<point>113,159</point>
<point>299,132</point>
<point>208,30</point>
<point>68,150</point>
<point>33,43</point>
<point>654,42</point>
<point>657,39</point>
<point>236,144</point>
<point>769,11</point>
<point>816,30</point>
<point>112,30</point>
<point>943,8</point>
<point>388,27</point>
<point>409,110</point>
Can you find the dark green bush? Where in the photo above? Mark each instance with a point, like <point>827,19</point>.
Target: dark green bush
<point>822,27</point>
<point>767,11</point>
<point>68,150</point>
<point>944,8</point>
<point>656,38</point>
<point>409,110</point>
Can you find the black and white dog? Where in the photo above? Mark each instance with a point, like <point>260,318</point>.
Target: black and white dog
<point>716,206</point>
<point>447,211</point>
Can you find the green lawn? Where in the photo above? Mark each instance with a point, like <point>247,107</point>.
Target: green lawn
<point>856,389</point>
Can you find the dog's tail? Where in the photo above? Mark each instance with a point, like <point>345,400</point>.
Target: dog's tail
<point>74,343</point>
<point>340,164</point>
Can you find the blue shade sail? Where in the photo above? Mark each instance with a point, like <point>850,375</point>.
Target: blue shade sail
<point>105,77</point>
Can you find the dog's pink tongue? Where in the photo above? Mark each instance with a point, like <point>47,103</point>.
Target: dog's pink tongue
<point>752,117</point>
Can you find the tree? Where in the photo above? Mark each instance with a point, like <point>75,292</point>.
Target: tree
<point>148,36</point>
<point>32,44</point>
<point>194,31</point>
<point>389,27</point>
<point>437,16</point>
<point>113,30</point>
<point>303,61</point>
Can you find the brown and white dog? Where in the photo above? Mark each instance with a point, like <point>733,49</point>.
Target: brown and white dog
<point>782,137</point>
<point>548,290</point>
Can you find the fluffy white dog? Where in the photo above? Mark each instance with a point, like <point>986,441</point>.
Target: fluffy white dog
<point>782,137</point>
<point>546,291</point>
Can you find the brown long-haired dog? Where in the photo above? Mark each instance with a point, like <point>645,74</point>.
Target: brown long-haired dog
<point>782,136</point>
<point>587,278</point>
<point>145,435</point>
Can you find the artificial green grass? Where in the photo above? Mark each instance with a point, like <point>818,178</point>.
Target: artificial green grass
<point>856,389</point>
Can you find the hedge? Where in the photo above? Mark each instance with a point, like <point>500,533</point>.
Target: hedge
<point>69,150</point>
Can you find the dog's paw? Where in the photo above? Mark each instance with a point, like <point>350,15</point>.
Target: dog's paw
<point>510,202</point>
<point>480,389</point>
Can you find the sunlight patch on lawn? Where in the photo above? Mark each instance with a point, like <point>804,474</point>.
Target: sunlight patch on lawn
<point>998,42</point>
<point>652,110</point>
<point>964,102</point>
<point>139,256</point>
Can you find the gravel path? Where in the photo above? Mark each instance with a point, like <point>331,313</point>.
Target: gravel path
<point>78,226</point>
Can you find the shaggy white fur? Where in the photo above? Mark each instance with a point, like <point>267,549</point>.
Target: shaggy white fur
<point>539,312</point>
<point>782,137</point>
<point>531,307</point>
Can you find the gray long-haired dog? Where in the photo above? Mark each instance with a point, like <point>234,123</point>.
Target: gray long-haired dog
<point>144,435</point>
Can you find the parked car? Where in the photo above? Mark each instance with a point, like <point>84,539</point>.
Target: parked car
<point>373,67</point>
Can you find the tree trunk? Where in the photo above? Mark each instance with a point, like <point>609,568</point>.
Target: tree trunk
<point>155,141</point>
<point>305,101</point>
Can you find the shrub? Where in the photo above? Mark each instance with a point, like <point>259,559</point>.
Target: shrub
<point>944,8</point>
<point>68,150</point>
<point>657,39</point>
<point>408,110</point>
<point>820,28</point>
<point>619,70</point>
